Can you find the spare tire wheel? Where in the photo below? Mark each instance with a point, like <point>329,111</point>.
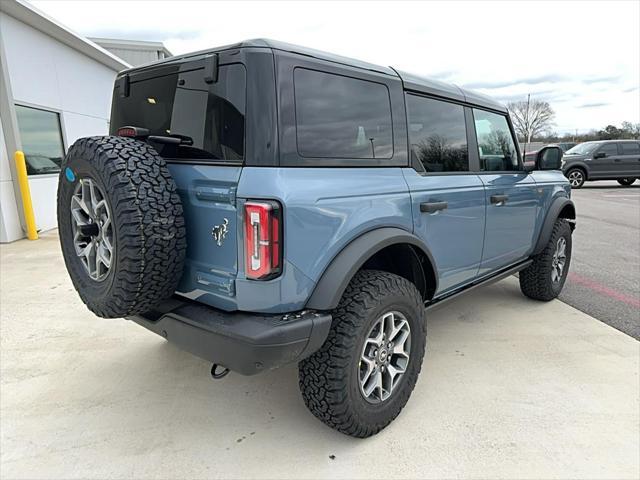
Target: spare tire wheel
<point>121,226</point>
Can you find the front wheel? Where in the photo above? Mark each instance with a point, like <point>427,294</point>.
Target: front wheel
<point>363,375</point>
<point>625,182</point>
<point>545,277</point>
<point>576,177</point>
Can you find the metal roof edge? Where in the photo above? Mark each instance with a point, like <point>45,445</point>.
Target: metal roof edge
<point>28,14</point>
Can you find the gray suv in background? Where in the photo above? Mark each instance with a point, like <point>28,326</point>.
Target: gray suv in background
<point>603,160</point>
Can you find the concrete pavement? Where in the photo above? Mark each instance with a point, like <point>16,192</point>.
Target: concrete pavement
<point>510,388</point>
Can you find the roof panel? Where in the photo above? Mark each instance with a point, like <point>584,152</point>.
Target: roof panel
<point>431,87</point>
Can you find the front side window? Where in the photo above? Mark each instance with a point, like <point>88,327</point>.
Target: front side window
<point>630,148</point>
<point>608,149</point>
<point>582,149</point>
<point>437,134</point>
<point>211,117</point>
<point>41,139</point>
<point>496,147</point>
<point>341,117</point>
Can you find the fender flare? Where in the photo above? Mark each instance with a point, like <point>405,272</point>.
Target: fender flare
<point>335,278</point>
<point>552,215</point>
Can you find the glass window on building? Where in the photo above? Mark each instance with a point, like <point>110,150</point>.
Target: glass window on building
<point>41,139</point>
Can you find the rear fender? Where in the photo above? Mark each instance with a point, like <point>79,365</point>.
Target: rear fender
<point>343,267</point>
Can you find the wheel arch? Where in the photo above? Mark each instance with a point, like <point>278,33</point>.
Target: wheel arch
<point>580,166</point>
<point>389,249</point>
<point>561,207</point>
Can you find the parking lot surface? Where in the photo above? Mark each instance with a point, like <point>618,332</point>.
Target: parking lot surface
<point>510,388</point>
<point>604,279</point>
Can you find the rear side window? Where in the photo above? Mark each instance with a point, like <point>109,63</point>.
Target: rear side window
<point>210,116</point>
<point>609,149</point>
<point>341,117</point>
<point>496,147</point>
<point>437,134</point>
<point>630,148</point>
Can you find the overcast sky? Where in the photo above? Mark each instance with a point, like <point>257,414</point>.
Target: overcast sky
<point>582,57</point>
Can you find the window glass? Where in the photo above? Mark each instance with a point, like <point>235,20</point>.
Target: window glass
<point>630,148</point>
<point>341,117</point>
<point>41,139</point>
<point>437,134</point>
<point>582,148</point>
<point>210,116</point>
<point>609,149</point>
<point>496,148</point>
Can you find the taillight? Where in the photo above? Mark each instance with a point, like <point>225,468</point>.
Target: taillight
<point>262,239</point>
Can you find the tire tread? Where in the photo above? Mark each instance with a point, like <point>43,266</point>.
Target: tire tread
<point>322,375</point>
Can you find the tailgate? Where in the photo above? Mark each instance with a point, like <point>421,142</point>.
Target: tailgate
<point>208,194</point>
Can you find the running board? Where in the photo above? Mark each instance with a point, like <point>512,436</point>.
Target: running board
<point>480,283</point>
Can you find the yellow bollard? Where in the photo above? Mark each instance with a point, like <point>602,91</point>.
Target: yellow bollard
<point>27,206</point>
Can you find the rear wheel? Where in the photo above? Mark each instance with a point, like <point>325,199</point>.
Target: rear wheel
<point>363,375</point>
<point>625,182</point>
<point>576,177</point>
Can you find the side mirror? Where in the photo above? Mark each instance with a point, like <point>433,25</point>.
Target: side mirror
<point>549,158</point>
<point>600,155</point>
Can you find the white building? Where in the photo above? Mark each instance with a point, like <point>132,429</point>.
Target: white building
<point>134,52</point>
<point>55,87</point>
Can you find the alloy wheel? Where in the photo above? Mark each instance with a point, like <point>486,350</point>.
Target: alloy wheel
<point>559,260</point>
<point>92,228</point>
<point>385,357</point>
<point>576,178</point>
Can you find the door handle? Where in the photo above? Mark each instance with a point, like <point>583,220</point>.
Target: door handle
<point>432,207</point>
<point>616,159</point>
<point>499,199</point>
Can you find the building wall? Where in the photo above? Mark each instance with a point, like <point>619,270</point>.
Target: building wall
<point>135,56</point>
<point>10,228</point>
<point>50,75</point>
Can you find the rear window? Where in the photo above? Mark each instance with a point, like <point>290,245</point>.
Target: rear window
<point>630,148</point>
<point>341,117</point>
<point>211,116</point>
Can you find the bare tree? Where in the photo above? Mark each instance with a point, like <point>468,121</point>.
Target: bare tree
<point>631,129</point>
<point>531,118</point>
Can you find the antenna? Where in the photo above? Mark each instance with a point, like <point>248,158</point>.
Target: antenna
<point>526,137</point>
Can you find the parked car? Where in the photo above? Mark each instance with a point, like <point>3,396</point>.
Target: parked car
<point>603,160</point>
<point>566,145</point>
<point>262,203</point>
<point>40,165</point>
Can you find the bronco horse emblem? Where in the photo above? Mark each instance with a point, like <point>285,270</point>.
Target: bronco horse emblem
<point>219,232</point>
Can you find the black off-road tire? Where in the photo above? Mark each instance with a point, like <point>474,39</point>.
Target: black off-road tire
<point>535,280</point>
<point>148,225</point>
<point>580,177</point>
<point>329,379</point>
<point>625,182</point>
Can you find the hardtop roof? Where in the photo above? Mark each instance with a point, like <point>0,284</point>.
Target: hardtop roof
<point>410,81</point>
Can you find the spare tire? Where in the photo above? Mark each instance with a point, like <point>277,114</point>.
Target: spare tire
<point>121,226</point>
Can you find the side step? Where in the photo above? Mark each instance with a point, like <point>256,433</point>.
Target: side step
<point>479,283</point>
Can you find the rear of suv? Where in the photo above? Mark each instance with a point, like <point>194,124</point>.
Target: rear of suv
<point>603,160</point>
<point>261,204</point>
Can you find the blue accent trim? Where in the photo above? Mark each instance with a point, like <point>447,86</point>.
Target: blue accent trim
<point>69,174</point>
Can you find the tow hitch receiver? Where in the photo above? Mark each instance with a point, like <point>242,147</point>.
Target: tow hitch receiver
<point>218,371</point>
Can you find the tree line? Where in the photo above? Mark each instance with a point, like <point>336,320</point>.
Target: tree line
<point>533,120</point>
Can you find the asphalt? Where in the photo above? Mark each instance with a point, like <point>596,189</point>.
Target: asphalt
<point>510,389</point>
<point>604,278</point>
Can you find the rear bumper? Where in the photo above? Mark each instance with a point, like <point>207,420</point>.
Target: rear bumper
<point>246,343</point>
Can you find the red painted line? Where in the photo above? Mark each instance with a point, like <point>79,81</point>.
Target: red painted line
<point>601,289</point>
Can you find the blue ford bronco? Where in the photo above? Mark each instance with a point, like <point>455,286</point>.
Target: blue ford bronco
<point>261,203</point>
